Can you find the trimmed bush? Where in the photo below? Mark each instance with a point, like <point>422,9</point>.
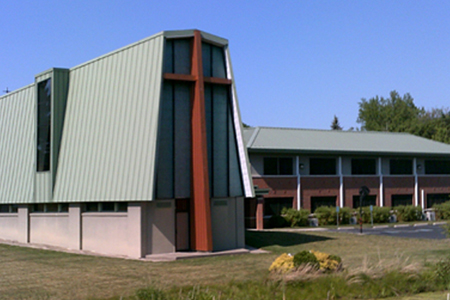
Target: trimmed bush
<point>326,215</point>
<point>408,213</point>
<point>380,214</point>
<point>306,258</point>
<point>442,210</point>
<point>295,217</point>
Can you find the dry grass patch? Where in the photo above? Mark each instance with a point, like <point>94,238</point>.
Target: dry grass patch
<point>38,274</point>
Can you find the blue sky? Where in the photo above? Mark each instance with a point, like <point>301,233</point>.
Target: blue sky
<point>296,63</point>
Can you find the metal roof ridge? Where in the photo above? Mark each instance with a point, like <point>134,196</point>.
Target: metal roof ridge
<point>335,131</point>
<point>253,137</point>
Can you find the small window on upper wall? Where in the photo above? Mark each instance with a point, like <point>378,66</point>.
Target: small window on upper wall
<point>278,166</point>
<point>364,166</point>
<point>322,166</point>
<point>177,56</point>
<point>437,167</point>
<point>213,61</point>
<point>400,166</point>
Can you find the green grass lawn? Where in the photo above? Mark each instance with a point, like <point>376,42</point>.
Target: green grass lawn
<point>39,274</point>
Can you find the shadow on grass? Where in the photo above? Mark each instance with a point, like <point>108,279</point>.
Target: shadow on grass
<point>259,239</point>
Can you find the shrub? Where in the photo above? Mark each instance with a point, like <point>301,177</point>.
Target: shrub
<point>306,258</point>
<point>345,213</point>
<point>442,210</point>
<point>442,272</point>
<point>326,215</point>
<point>295,217</point>
<point>283,264</point>
<point>277,222</point>
<point>407,213</point>
<point>380,214</point>
<point>327,262</point>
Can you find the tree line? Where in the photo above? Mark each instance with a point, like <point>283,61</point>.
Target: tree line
<point>400,114</point>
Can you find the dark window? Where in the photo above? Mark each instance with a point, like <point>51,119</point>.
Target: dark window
<point>43,125</point>
<point>322,166</point>
<point>400,166</point>
<point>274,206</point>
<point>401,200</point>
<point>177,56</point>
<point>270,166</point>
<point>213,61</point>
<point>122,206</point>
<point>8,208</point>
<point>107,206</point>
<point>364,166</point>
<point>322,201</point>
<point>278,166</point>
<point>433,199</point>
<point>91,207</point>
<point>13,208</point>
<point>4,208</point>
<point>368,200</point>
<point>53,207</point>
<point>50,208</point>
<point>440,167</point>
<point>38,208</point>
<point>285,166</point>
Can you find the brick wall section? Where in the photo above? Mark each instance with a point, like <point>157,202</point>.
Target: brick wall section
<point>403,185</point>
<point>353,184</point>
<point>279,187</point>
<point>318,187</point>
<point>434,185</point>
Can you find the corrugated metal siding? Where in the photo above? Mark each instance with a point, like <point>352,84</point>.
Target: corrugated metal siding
<point>43,186</point>
<point>109,140</point>
<point>17,146</point>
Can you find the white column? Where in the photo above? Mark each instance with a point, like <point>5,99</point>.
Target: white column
<point>297,169</point>
<point>380,171</point>
<point>341,184</point>
<point>423,200</point>
<point>416,183</point>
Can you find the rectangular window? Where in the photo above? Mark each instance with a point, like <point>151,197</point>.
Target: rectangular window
<point>270,166</point>
<point>274,206</point>
<point>433,199</point>
<point>316,202</point>
<point>106,207</point>
<point>50,208</point>
<point>278,166</point>
<point>401,200</point>
<point>322,166</point>
<point>437,167</point>
<point>364,166</point>
<point>44,125</point>
<point>368,201</point>
<point>8,208</point>
<point>400,166</point>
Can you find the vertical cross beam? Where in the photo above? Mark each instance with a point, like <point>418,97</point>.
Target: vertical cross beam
<point>201,232</point>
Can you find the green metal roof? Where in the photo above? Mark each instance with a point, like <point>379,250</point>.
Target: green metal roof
<point>292,140</point>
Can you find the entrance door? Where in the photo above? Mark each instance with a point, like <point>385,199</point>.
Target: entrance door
<point>182,224</point>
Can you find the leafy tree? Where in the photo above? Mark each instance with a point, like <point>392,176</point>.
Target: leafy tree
<point>335,124</point>
<point>400,114</point>
<point>395,113</point>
